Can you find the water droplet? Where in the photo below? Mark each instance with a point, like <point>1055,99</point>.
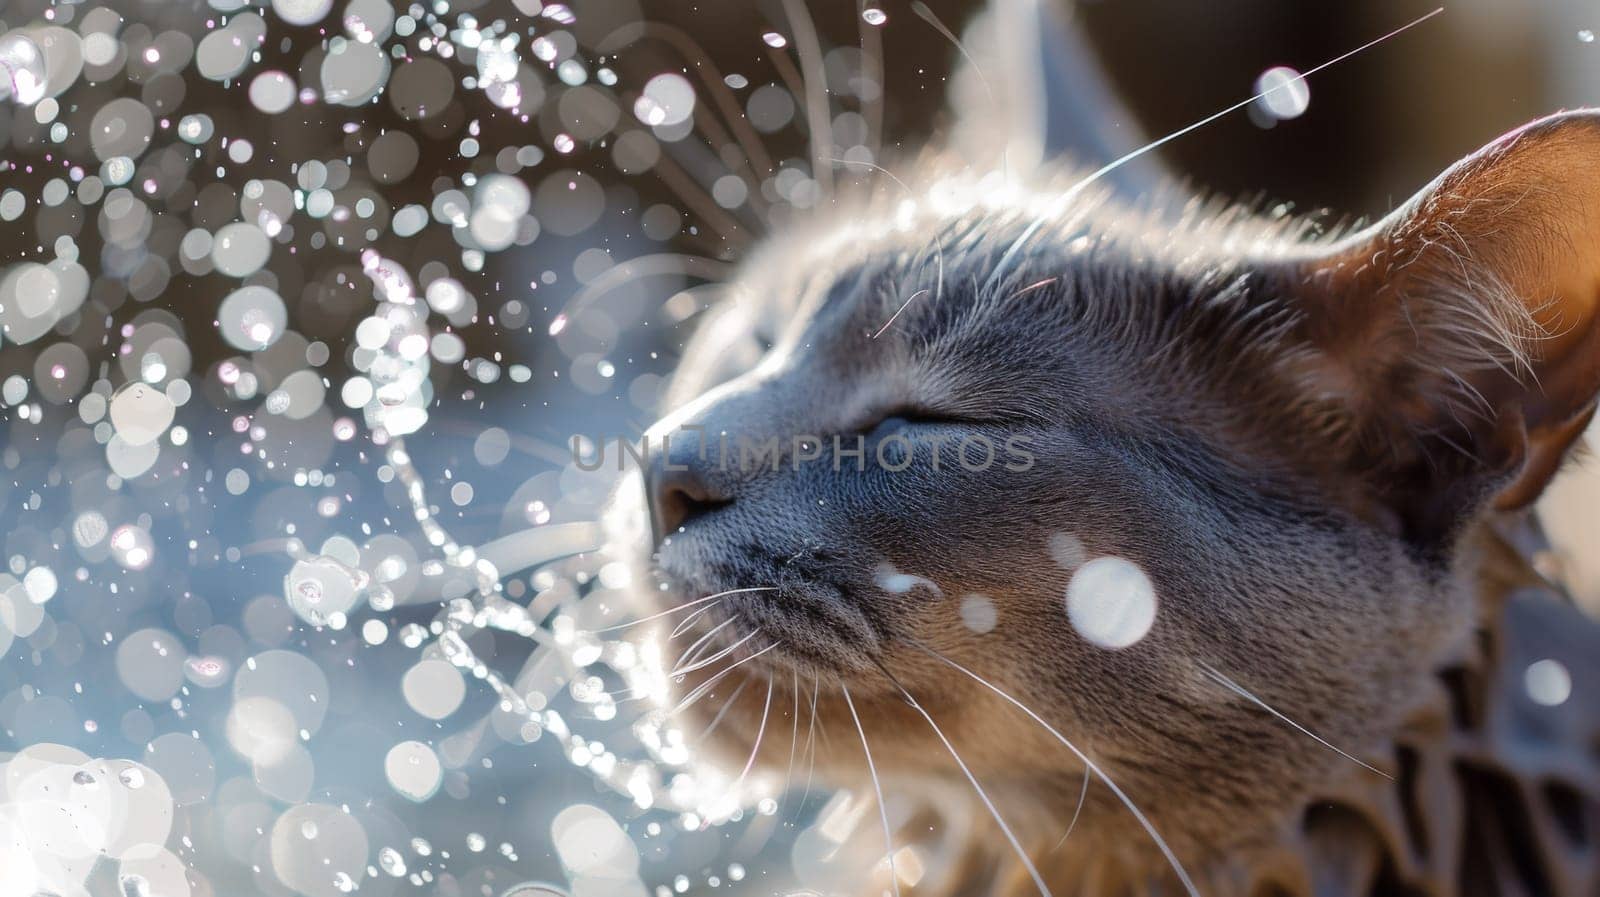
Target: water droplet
<point>872,15</point>
<point>775,40</point>
<point>141,413</point>
<point>310,590</point>
<point>413,770</point>
<point>374,632</point>
<point>537,512</point>
<point>1111,602</point>
<point>132,777</point>
<point>40,584</point>
<point>1586,36</point>
<point>978,613</point>
<point>1548,682</point>
<point>206,671</point>
<point>22,69</point>
<point>1283,92</point>
<point>389,861</point>
<point>667,99</point>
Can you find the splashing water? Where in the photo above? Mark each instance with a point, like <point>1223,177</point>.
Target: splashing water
<point>22,70</point>
<point>282,295</point>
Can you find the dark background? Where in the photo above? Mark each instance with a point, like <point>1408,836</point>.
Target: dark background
<point>1380,124</point>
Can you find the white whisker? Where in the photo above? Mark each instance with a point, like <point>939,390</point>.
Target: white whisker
<point>1082,794</point>
<point>698,692</point>
<point>1120,161</point>
<point>706,686</point>
<point>938,244</point>
<point>726,706</point>
<point>811,738</point>
<point>755,748</point>
<point>910,299</point>
<point>1114,164</point>
<point>1242,692</point>
<point>702,664</point>
<point>682,607</point>
<point>973,780</point>
<point>1160,842</point>
<point>794,736</point>
<point>1036,285</point>
<point>688,621</point>
<point>688,655</point>
<point>926,14</point>
<point>883,810</point>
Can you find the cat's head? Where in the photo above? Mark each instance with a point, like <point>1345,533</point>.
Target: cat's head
<point>1178,460</point>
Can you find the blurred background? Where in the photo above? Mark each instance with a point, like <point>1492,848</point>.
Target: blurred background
<point>302,303</point>
<point>1377,129</point>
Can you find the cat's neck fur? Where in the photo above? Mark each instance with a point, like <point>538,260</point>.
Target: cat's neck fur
<point>1490,793</point>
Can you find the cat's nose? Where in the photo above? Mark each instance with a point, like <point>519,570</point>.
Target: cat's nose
<point>681,483</point>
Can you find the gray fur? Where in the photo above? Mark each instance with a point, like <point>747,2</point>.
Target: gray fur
<point>1189,412</point>
<point>1127,372</point>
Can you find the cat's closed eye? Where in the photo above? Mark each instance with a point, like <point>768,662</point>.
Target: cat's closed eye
<point>1167,523</point>
<point>910,421</point>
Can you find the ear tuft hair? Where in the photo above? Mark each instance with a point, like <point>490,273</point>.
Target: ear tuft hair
<point>1458,335</point>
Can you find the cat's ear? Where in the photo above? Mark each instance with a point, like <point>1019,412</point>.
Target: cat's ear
<point>1460,333</point>
<point>1033,68</point>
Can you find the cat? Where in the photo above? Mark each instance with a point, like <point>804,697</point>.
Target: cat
<point>1271,477</point>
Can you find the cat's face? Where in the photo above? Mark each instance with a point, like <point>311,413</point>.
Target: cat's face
<point>1176,461</point>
